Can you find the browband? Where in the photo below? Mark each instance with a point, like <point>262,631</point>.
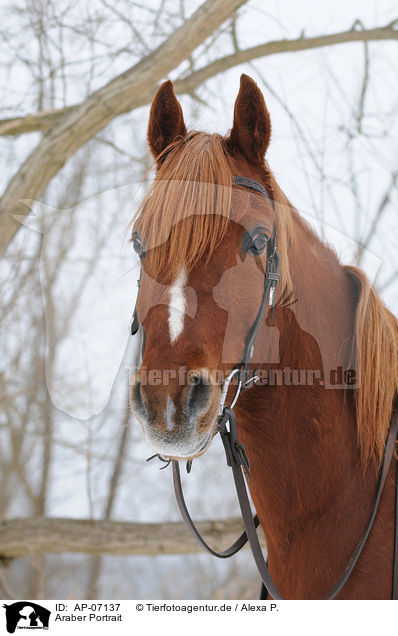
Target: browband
<point>252,185</point>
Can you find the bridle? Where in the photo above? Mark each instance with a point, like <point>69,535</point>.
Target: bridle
<point>237,459</point>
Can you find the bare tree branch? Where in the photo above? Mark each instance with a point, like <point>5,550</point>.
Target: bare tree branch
<point>386,199</point>
<point>23,537</point>
<point>37,122</point>
<point>125,92</point>
<point>43,121</point>
<point>96,563</point>
<point>284,46</point>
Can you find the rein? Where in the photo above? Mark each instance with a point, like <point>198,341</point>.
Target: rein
<point>237,459</point>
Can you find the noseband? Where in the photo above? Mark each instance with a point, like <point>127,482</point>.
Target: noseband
<point>236,456</point>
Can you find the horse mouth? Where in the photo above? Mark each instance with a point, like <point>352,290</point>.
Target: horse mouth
<point>193,454</point>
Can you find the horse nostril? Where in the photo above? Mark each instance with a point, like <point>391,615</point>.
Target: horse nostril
<point>137,402</point>
<point>198,396</point>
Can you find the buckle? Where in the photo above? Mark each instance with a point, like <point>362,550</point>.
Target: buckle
<point>225,388</point>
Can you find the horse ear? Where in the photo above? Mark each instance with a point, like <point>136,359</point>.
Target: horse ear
<point>252,124</point>
<point>166,121</point>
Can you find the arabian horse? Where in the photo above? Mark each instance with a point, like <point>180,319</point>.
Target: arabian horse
<point>315,419</point>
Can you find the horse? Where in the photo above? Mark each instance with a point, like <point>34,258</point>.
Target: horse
<point>315,418</point>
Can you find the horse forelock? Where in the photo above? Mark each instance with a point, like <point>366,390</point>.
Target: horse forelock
<point>185,213</point>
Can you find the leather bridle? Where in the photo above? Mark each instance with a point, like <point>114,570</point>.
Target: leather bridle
<point>237,459</point>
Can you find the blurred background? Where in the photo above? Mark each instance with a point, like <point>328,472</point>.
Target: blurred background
<point>76,81</point>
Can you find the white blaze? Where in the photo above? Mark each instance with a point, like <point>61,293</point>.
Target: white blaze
<point>177,305</point>
<point>169,413</point>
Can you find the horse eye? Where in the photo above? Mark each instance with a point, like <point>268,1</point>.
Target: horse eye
<point>257,244</point>
<point>138,244</point>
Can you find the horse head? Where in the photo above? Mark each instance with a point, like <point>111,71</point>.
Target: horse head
<point>202,241</point>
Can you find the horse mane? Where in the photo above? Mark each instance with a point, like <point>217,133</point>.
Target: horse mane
<point>374,354</point>
<point>375,358</point>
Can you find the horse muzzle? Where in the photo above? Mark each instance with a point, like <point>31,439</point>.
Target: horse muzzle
<point>178,421</point>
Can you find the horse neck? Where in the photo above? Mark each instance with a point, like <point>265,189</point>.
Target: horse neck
<point>301,440</point>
